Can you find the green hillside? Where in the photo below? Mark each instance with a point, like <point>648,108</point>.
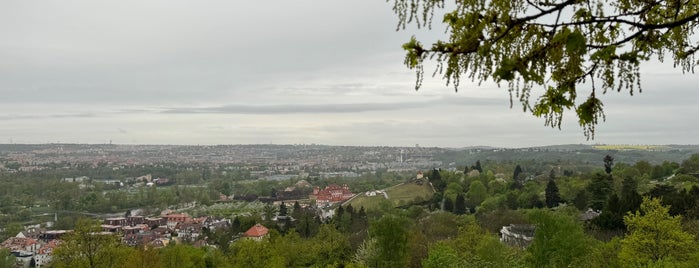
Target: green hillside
<point>398,195</point>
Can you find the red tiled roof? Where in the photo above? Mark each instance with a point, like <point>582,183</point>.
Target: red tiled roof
<point>178,218</point>
<point>49,247</point>
<point>334,193</point>
<point>256,231</point>
<point>17,243</point>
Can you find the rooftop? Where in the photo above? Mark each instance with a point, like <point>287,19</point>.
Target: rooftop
<point>256,231</point>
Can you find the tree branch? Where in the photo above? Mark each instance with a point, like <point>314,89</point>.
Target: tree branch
<point>535,6</point>
<point>523,20</point>
<point>627,39</point>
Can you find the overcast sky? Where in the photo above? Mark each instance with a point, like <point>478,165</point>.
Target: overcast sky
<point>283,72</point>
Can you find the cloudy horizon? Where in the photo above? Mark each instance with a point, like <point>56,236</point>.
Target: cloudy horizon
<point>302,72</point>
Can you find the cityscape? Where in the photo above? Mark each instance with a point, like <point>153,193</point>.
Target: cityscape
<point>158,196</point>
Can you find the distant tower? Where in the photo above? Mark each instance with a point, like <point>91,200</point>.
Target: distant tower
<point>401,155</point>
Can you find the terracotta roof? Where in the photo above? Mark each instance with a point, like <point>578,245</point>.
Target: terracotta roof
<point>256,231</point>
<point>17,243</point>
<point>49,247</point>
<point>334,193</point>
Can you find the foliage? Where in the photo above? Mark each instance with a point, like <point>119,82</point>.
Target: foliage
<point>555,46</point>
<point>680,201</point>
<point>581,200</point>
<point>442,255</point>
<point>477,192</point>
<point>473,247</point>
<point>517,181</point>
<point>142,258</point>
<point>306,222</point>
<point>608,163</point>
<point>691,165</point>
<point>478,167</point>
<point>664,170</point>
<point>436,179</point>
<point>7,260</point>
<point>367,253</point>
<point>612,215</point>
<point>599,189</point>
<point>630,198</point>
<point>655,236</point>
<point>182,256</point>
<point>559,240</point>
<point>251,254</point>
<point>86,246</point>
<point>10,230</point>
<point>391,234</point>
<point>493,221</point>
<point>552,196</point>
<point>333,246</point>
<point>448,204</point>
<point>418,247</point>
<point>442,225</point>
<point>453,189</point>
<point>605,254</point>
<point>460,205</point>
<point>215,258</point>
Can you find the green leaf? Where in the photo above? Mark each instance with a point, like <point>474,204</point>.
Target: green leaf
<point>589,111</point>
<point>605,54</point>
<point>576,43</point>
<point>506,70</point>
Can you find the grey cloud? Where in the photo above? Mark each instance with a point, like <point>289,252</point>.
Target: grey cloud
<point>178,51</point>
<point>159,63</point>
<point>45,116</point>
<point>18,117</point>
<point>333,107</point>
<point>296,109</point>
<point>78,115</point>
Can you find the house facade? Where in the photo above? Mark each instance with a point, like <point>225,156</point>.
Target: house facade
<point>256,232</point>
<point>331,194</point>
<point>517,235</point>
<point>43,257</point>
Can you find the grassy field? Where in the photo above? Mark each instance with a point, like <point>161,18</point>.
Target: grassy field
<point>397,195</point>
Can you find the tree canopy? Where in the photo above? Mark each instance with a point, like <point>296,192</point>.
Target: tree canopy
<point>553,47</point>
<point>559,240</point>
<point>6,258</point>
<point>86,247</point>
<point>655,236</point>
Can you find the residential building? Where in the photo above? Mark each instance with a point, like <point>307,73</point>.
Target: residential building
<point>256,232</point>
<point>43,257</point>
<point>331,194</point>
<point>517,235</point>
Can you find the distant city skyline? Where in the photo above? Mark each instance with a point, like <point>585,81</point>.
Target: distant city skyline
<point>302,72</point>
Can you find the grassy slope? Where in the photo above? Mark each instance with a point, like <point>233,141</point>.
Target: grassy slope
<point>398,195</point>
